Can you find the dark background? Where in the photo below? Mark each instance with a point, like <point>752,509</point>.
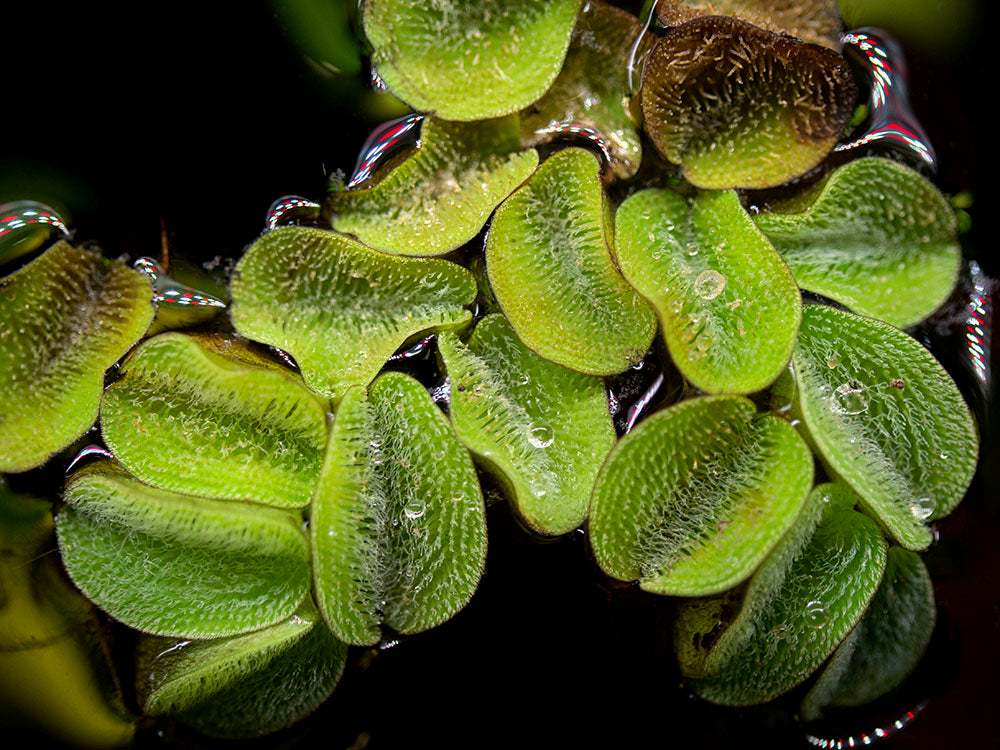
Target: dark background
<point>197,117</point>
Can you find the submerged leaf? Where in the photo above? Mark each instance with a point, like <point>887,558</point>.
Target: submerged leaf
<point>693,499</point>
<point>816,21</point>
<point>543,430</point>
<point>887,643</point>
<point>550,266</point>
<point>207,415</point>
<point>591,95</point>
<point>737,106</point>
<point>879,238</point>
<point>886,419</point>
<point>177,565</point>
<point>728,306</point>
<point>469,60</point>
<point>340,308</point>
<point>398,524</point>
<point>64,319</point>
<point>243,686</point>
<point>802,601</point>
<point>440,197</point>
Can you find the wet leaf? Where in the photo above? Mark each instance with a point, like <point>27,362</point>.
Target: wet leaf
<point>178,565</point>
<point>398,524</point>
<point>816,21</point>
<point>440,197</point>
<point>737,106</point>
<point>728,306</point>
<point>340,308</point>
<point>469,61</point>
<point>887,643</point>
<point>886,419</point>
<point>542,429</point>
<point>591,95</point>
<point>550,267</point>
<point>799,605</point>
<point>64,319</point>
<point>209,416</point>
<point>244,686</point>
<point>879,238</point>
<point>695,497</point>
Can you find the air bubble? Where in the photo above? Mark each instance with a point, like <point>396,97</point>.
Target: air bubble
<point>850,398</point>
<point>414,509</point>
<point>709,284</point>
<point>541,436</point>
<point>780,632</point>
<point>816,613</point>
<point>922,508</point>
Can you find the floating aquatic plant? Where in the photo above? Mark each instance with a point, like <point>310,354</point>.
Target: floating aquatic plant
<point>276,489</point>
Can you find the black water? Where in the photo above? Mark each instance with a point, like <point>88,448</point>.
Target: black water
<point>188,122</point>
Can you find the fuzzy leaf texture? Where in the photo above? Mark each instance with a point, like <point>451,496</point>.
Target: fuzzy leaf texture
<point>398,524</point>
<point>243,686</point>
<point>65,318</point>
<point>441,196</point>
<point>694,498</point>
<point>886,418</point>
<point>879,239</point>
<point>542,429</point>
<point>340,308</point>
<point>550,267</point>
<point>729,308</point>
<point>209,416</point>
<point>469,61</point>
<point>178,565</point>
<point>799,605</point>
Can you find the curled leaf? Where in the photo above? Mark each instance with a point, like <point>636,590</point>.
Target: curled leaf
<point>887,643</point>
<point>692,500</point>
<point>340,308</point>
<point>207,415</point>
<point>177,565</point>
<point>591,96</point>
<point>440,197</point>
<point>65,318</point>
<point>802,601</point>
<point>246,685</point>
<point>542,429</point>
<point>469,61</point>
<point>550,267</point>
<point>737,106</point>
<point>886,419</point>
<point>398,524</point>
<point>729,309</point>
<point>879,238</point>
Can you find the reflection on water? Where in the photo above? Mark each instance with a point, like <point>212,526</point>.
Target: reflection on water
<point>979,326</point>
<point>25,225</point>
<point>868,738</point>
<point>890,119</point>
<point>173,293</point>
<point>384,140</point>
<point>288,208</point>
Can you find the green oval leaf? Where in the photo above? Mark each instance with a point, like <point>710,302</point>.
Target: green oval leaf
<point>64,319</point>
<point>207,415</point>
<point>879,238</point>
<point>440,197</point>
<point>543,430</point>
<point>694,498</point>
<point>177,565</point>
<point>398,524</point>
<point>550,267</point>
<point>340,308</point>
<point>591,95</point>
<point>802,601</point>
<point>244,686</point>
<point>728,306</point>
<point>886,419</point>
<point>469,61</point>
<point>737,106</point>
<point>887,643</point>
